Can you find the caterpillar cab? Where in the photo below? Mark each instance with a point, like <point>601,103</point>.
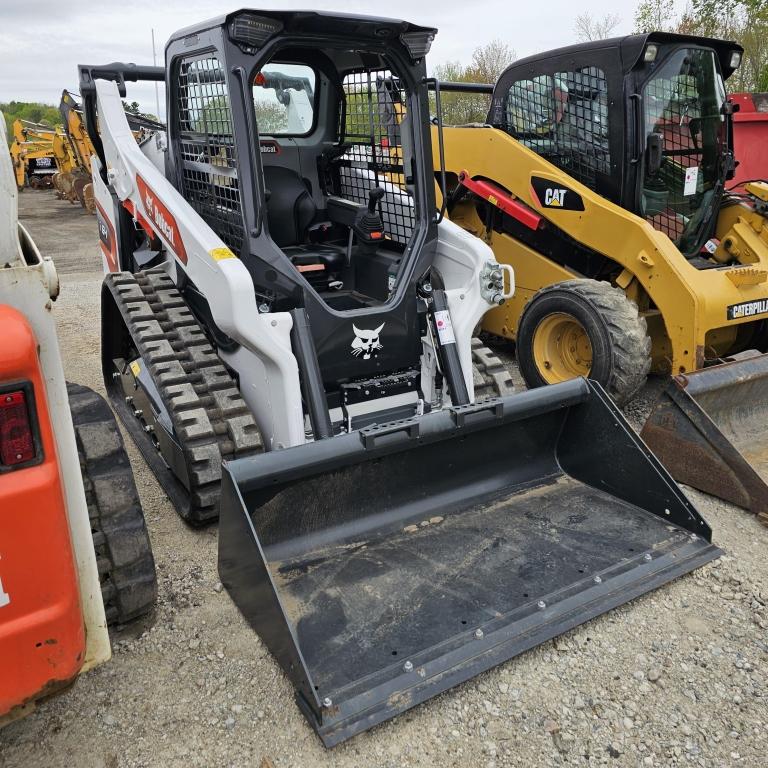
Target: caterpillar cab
<point>600,177</point>
<point>288,336</point>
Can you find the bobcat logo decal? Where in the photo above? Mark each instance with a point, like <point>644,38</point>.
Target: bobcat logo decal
<point>366,343</point>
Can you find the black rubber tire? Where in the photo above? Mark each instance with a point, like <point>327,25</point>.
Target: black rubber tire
<point>621,347</point>
<point>491,377</point>
<point>123,550</point>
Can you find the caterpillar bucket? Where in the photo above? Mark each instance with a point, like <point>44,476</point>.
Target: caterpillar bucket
<point>385,566</point>
<point>710,430</point>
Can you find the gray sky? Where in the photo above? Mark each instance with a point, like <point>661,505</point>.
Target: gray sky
<point>42,41</point>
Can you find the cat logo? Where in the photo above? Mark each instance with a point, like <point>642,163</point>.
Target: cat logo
<point>554,198</point>
<point>549,196</point>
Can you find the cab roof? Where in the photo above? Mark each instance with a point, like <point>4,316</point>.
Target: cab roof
<point>631,47</point>
<point>320,23</point>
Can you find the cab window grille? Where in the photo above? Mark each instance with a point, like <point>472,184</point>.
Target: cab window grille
<point>374,154</point>
<point>672,196</point>
<point>686,141</point>
<point>209,175</point>
<point>564,118</point>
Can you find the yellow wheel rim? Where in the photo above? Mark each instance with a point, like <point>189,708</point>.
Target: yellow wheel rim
<point>561,348</point>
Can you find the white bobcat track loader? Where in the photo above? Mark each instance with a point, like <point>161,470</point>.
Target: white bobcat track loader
<point>288,334</point>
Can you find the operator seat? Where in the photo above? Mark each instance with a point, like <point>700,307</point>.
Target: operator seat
<point>290,207</point>
<point>290,213</point>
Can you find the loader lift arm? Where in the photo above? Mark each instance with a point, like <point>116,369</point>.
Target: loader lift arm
<point>120,74</point>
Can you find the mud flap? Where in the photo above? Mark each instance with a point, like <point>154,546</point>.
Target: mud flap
<point>385,566</point>
<point>709,429</point>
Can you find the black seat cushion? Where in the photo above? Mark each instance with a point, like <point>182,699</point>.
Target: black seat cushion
<point>290,208</point>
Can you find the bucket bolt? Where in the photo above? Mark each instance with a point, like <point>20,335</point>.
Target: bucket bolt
<point>408,666</point>
<point>327,702</point>
<point>479,634</point>
<point>541,605</point>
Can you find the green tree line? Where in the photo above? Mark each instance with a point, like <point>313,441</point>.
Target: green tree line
<point>744,21</point>
<point>33,112</point>
<point>487,63</point>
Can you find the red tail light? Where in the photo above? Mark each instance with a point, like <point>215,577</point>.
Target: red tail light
<point>17,440</point>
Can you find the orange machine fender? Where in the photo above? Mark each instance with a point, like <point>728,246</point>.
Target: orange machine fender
<point>42,637</point>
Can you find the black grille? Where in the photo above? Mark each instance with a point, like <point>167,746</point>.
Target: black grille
<point>564,118</point>
<point>208,155</point>
<point>373,156</point>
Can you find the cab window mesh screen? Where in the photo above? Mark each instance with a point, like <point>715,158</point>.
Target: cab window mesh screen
<point>668,204</point>
<point>564,118</point>
<point>209,180</point>
<point>374,154</point>
<point>672,195</point>
<point>685,140</point>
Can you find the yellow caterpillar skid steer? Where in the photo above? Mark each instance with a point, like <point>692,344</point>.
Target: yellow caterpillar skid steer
<point>600,178</point>
<point>287,334</point>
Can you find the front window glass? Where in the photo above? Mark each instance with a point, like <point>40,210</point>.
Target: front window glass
<point>284,99</point>
<point>685,138</point>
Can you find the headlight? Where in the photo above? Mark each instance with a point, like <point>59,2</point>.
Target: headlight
<point>418,43</point>
<point>253,30</point>
<point>650,53</point>
<point>735,59</point>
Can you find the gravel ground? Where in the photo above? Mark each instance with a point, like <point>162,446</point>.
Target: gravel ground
<point>678,677</point>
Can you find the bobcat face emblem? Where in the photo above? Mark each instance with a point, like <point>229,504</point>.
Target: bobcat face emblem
<point>366,343</point>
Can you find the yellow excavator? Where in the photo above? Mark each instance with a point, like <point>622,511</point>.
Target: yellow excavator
<point>76,183</point>
<point>600,176</point>
<point>33,154</point>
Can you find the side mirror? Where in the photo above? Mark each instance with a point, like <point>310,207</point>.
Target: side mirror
<point>654,153</point>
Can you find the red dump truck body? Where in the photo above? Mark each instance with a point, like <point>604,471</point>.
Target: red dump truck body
<point>750,137</point>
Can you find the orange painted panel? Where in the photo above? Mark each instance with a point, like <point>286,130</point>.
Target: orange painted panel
<point>42,639</point>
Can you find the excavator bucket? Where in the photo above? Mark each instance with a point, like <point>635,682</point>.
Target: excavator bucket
<point>387,565</point>
<point>710,430</point>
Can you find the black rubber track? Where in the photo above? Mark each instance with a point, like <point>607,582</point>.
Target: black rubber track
<point>492,379</point>
<point>621,347</point>
<point>210,418</point>
<point>120,539</point>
